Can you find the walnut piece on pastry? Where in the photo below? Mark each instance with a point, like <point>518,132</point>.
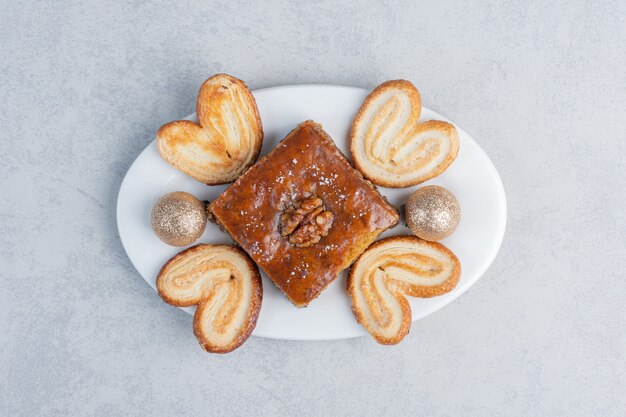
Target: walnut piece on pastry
<point>388,271</point>
<point>227,138</point>
<point>227,288</point>
<point>388,144</point>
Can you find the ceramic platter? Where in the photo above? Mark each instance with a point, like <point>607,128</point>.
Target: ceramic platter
<point>472,178</point>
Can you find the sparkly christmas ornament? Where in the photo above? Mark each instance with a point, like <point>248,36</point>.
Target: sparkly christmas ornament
<point>179,218</point>
<point>432,213</point>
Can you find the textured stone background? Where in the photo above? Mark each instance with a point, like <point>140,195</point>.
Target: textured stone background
<point>542,87</point>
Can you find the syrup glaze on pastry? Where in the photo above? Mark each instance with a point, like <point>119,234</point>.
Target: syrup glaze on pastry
<point>227,288</point>
<point>225,141</point>
<point>303,213</point>
<point>390,147</point>
<point>387,272</point>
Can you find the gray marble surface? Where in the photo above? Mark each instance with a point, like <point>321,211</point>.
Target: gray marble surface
<point>541,86</point>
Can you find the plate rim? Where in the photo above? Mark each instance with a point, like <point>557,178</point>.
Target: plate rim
<point>502,208</point>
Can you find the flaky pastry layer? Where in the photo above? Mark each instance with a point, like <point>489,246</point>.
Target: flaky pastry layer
<point>388,144</point>
<point>227,138</point>
<point>391,269</point>
<point>225,285</point>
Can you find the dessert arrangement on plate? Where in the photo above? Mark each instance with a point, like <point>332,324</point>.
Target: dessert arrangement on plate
<point>303,213</point>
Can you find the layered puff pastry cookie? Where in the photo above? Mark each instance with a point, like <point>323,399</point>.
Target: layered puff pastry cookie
<point>388,144</point>
<point>225,141</point>
<point>225,285</point>
<point>389,271</point>
<point>303,213</point>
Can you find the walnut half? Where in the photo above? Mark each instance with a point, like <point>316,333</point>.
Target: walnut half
<point>306,222</point>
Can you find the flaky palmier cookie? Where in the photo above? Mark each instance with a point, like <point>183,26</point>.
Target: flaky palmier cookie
<point>225,284</point>
<point>225,141</point>
<point>388,271</point>
<point>390,147</point>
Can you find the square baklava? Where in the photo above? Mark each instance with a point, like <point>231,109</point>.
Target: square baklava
<point>303,213</point>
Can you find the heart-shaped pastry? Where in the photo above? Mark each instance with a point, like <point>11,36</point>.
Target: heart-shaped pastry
<point>390,147</point>
<point>388,271</point>
<point>225,284</point>
<point>225,141</point>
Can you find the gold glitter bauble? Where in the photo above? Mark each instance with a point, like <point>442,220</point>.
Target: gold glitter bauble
<point>178,218</point>
<point>432,213</point>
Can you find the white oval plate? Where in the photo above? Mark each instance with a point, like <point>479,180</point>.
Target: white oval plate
<point>472,178</point>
